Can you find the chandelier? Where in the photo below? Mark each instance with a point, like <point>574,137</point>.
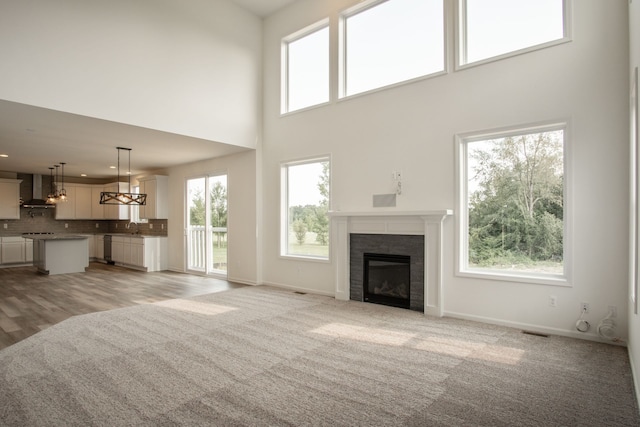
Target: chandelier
<point>118,197</point>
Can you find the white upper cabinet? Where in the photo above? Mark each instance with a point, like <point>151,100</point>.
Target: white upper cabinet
<point>78,204</point>
<point>97,210</point>
<point>156,188</point>
<point>10,198</point>
<point>67,210</point>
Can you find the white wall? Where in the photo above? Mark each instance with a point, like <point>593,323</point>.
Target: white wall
<point>634,319</point>
<point>412,128</point>
<point>241,197</point>
<point>191,67</point>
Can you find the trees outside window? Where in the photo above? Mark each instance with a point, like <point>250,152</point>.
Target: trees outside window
<point>207,224</point>
<point>514,203</point>
<point>306,205</point>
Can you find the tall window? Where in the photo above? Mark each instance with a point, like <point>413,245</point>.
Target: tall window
<point>305,206</point>
<point>513,203</point>
<point>305,68</point>
<point>387,42</point>
<point>491,28</point>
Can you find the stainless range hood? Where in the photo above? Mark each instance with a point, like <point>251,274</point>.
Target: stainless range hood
<point>37,201</point>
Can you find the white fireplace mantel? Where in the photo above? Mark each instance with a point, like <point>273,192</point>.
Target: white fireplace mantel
<point>427,223</point>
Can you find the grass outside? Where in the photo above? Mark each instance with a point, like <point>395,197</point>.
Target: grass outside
<point>544,267</point>
<point>309,248</point>
<point>220,256</point>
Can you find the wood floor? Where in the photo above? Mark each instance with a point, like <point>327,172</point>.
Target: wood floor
<point>31,302</point>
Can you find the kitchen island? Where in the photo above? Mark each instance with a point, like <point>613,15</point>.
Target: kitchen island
<point>60,253</point>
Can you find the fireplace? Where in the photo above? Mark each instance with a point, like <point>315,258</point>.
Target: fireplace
<point>387,279</point>
<point>387,269</point>
<point>347,230</point>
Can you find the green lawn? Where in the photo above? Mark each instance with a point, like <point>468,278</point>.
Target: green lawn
<point>310,247</point>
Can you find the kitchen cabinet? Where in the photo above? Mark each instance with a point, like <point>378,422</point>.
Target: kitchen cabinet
<point>13,250</point>
<point>10,198</point>
<point>156,187</point>
<point>116,211</point>
<point>67,210</point>
<point>79,204</point>
<point>117,248</point>
<point>28,251</point>
<point>148,253</point>
<point>97,210</point>
<point>83,202</point>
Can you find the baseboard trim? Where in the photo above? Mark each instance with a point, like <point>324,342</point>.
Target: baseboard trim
<point>534,328</point>
<point>298,289</point>
<point>634,376</point>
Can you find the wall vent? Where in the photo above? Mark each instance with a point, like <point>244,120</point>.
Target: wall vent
<point>384,200</point>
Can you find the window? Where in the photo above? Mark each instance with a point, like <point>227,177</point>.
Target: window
<point>305,68</point>
<point>492,28</point>
<point>513,213</point>
<point>387,42</point>
<point>305,206</point>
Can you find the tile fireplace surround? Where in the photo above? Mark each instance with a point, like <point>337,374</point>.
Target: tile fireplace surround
<point>426,223</point>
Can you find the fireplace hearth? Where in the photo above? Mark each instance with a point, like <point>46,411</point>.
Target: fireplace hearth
<point>387,279</point>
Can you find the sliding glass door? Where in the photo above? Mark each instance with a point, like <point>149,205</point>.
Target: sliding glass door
<point>207,224</point>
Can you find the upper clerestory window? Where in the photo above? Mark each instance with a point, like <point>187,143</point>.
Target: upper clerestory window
<point>493,29</point>
<point>387,42</point>
<point>305,68</point>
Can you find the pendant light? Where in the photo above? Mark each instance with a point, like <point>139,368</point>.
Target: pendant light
<point>121,198</point>
<point>51,198</point>
<point>62,195</point>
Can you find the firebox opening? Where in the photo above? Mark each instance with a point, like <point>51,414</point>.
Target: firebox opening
<point>387,279</point>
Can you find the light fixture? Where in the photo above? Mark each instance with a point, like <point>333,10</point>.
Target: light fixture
<point>51,198</point>
<point>120,198</point>
<point>62,195</point>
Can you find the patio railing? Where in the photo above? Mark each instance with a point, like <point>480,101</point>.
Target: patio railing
<point>196,242</point>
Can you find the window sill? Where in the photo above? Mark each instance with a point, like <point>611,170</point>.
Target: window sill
<point>306,258</point>
<point>532,279</point>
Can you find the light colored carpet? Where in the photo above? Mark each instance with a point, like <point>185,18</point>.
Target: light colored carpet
<point>263,356</point>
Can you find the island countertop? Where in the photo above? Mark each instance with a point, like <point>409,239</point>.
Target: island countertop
<point>54,236</point>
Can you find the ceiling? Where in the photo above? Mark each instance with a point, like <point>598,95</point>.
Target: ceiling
<point>263,7</point>
<point>37,138</point>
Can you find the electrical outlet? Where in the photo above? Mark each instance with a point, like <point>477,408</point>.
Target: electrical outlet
<point>584,307</point>
<point>553,301</point>
<point>150,226</point>
<point>6,226</point>
<point>66,225</point>
<point>613,310</point>
<point>161,226</point>
<point>97,225</point>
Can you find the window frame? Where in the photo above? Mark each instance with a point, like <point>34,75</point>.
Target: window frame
<point>284,65</point>
<point>284,208</point>
<point>361,7</point>
<point>461,37</point>
<point>462,226</point>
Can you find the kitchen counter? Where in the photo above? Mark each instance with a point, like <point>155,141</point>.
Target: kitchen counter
<point>60,253</point>
<point>53,236</point>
